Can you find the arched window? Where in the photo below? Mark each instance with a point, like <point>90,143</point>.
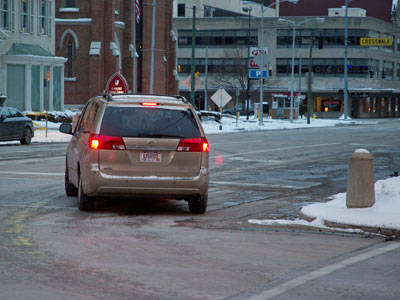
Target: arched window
<point>69,53</point>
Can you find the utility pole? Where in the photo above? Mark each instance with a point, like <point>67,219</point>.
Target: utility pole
<point>309,79</point>
<point>206,83</point>
<point>192,75</point>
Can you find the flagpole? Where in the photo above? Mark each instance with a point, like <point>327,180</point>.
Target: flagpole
<point>134,48</point>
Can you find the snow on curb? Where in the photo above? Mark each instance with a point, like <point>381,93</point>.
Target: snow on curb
<point>382,218</point>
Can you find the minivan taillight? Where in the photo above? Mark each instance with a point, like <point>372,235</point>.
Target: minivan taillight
<point>193,145</point>
<point>105,142</point>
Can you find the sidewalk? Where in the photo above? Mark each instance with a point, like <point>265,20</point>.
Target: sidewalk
<point>382,218</point>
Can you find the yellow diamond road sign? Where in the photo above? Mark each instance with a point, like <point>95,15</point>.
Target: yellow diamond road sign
<point>376,41</point>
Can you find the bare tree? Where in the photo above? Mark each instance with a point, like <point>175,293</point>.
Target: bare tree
<point>234,74</point>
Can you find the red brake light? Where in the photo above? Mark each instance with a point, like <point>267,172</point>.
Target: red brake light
<point>105,142</point>
<point>193,145</point>
<point>149,103</point>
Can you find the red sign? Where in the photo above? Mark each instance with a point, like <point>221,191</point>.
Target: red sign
<point>254,64</point>
<point>117,84</point>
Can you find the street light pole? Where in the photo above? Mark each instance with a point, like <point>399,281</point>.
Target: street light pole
<point>292,73</point>
<point>346,31</point>
<point>295,24</point>
<point>262,63</point>
<point>192,75</point>
<point>248,9</point>
<point>309,82</point>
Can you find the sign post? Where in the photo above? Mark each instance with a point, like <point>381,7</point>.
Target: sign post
<point>47,99</point>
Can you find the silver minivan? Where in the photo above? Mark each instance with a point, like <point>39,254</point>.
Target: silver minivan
<point>137,146</point>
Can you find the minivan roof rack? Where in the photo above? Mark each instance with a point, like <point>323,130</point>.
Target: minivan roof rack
<point>107,96</point>
<point>183,99</point>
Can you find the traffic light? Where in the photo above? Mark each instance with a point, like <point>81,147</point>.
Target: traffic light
<point>383,73</point>
<point>320,43</point>
<point>371,74</point>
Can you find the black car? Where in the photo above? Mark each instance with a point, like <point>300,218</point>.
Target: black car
<point>14,125</point>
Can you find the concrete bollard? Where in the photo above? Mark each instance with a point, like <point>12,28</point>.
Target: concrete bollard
<point>360,180</point>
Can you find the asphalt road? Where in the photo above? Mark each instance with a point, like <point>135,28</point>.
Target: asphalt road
<point>158,250</point>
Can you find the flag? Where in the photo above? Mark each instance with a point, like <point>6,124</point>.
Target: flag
<point>138,11</point>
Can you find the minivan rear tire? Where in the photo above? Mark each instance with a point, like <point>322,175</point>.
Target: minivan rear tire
<point>70,189</point>
<point>198,205</point>
<point>85,203</point>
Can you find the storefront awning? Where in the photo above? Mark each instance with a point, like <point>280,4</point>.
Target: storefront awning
<point>28,49</point>
<point>20,53</point>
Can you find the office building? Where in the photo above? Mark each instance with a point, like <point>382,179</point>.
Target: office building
<point>373,71</point>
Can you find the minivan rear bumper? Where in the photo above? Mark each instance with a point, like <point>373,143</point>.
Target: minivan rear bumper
<point>97,183</point>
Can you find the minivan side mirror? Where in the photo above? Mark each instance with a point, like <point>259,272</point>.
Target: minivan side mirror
<point>66,128</point>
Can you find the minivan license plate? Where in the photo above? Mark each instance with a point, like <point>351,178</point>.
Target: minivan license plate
<point>154,157</point>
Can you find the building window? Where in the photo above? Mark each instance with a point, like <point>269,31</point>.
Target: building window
<point>70,3</point>
<point>181,10</point>
<point>7,14</point>
<point>69,66</point>
<point>26,16</point>
<point>218,38</point>
<point>44,17</point>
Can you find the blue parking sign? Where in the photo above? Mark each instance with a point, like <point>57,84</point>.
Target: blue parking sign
<point>257,74</point>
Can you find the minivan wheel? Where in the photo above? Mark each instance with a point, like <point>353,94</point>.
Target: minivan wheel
<point>27,136</point>
<point>198,205</point>
<point>70,189</point>
<point>85,203</point>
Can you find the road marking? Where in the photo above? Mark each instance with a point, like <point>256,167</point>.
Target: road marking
<point>270,161</point>
<point>36,206</point>
<point>277,149</point>
<point>31,173</point>
<point>282,288</point>
<point>17,160</point>
<point>264,185</point>
<point>370,145</point>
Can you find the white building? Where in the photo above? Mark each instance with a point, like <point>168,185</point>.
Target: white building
<point>30,74</point>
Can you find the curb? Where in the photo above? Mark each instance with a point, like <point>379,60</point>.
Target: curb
<point>389,232</point>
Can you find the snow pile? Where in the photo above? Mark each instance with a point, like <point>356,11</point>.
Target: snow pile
<point>229,124</point>
<point>385,213</point>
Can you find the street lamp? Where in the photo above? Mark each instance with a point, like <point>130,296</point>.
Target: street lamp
<point>248,9</point>
<point>261,46</point>
<point>345,90</point>
<point>294,25</point>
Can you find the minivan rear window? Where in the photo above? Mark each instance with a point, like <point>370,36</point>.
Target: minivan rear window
<point>149,122</point>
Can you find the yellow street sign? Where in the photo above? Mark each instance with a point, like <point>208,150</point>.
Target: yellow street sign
<point>376,41</point>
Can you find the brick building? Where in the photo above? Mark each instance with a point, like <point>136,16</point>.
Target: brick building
<point>99,40</point>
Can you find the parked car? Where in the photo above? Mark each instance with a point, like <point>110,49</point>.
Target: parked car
<point>243,110</point>
<point>14,125</point>
<point>137,146</point>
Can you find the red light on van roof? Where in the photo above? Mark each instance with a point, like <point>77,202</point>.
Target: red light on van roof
<point>149,103</point>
